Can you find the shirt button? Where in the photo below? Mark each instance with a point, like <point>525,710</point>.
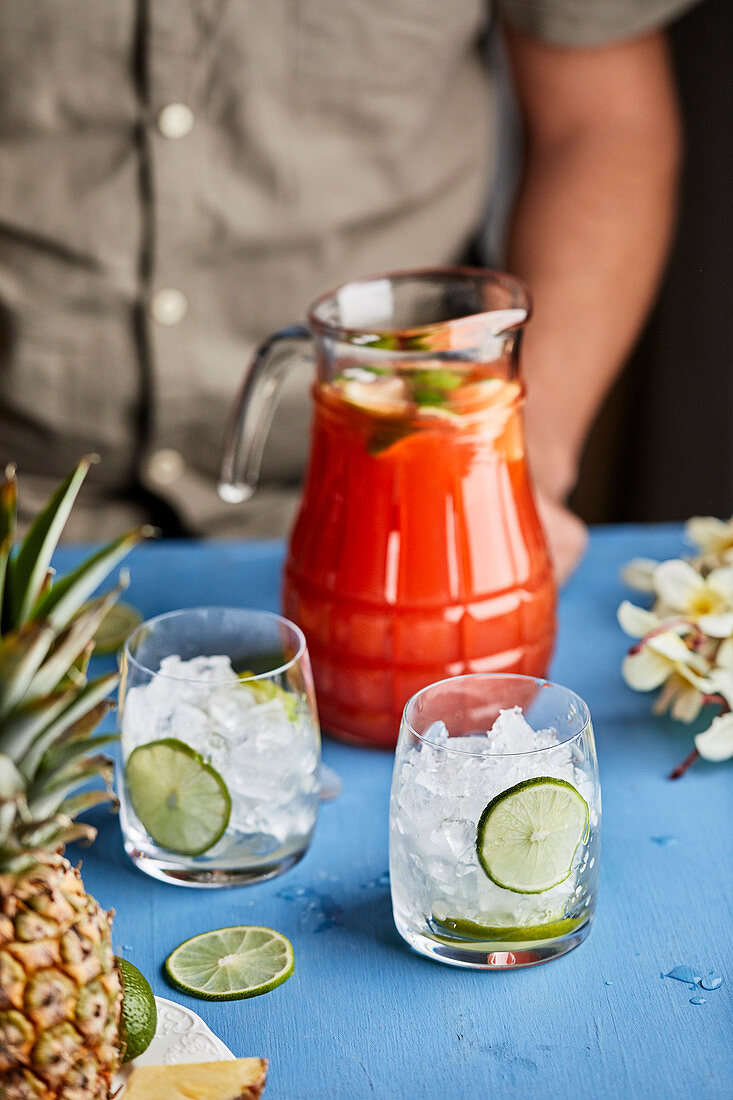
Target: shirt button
<point>169,306</point>
<point>175,120</point>
<point>165,466</point>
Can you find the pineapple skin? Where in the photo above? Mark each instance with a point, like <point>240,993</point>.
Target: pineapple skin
<point>60,991</point>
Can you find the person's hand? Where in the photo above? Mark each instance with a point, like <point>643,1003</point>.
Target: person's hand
<point>553,467</point>
<point>567,536</point>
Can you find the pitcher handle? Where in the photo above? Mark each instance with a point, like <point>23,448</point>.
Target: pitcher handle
<point>251,416</point>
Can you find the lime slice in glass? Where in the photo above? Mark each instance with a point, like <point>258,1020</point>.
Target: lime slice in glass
<point>113,631</point>
<point>266,690</point>
<point>181,801</point>
<point>463,929</point>
<point>230,963</point>
<point>528,835</point>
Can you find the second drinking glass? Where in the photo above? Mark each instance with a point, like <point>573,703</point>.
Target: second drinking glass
<point>495,821</point>
<point>221,747</point>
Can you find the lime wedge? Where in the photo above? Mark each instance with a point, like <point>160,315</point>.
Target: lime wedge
<point>139,1017</point>
<point>265,690</point>
<point>117,624</point>
<point>528,835</point>
<point>230,963</point>
<point>498,933</point>
<point>181,801</point>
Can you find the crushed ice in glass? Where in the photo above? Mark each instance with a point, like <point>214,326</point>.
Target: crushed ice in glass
<point>438,798</point>
<point>265,749</point>
<point>436,733</point>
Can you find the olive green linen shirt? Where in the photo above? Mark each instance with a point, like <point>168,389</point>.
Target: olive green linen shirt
<point>180,177</point>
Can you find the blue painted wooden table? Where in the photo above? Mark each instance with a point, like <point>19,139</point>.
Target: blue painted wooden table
<point>364,1017</point>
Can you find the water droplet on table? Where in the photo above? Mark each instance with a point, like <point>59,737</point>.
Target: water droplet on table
<point>684,974</point>
<point>291,892</point>
<point>318,912</point>
<point>375,883</point>
<point>608,983</point>
<point>713,982</point>
<point>698,1001</point>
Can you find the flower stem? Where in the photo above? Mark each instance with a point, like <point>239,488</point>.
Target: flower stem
<point>680,770</point>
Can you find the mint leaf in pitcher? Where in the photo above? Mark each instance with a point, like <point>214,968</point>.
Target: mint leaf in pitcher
<point>432,387</point>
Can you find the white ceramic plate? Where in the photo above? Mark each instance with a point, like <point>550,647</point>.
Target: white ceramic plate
<point>181,1036</point>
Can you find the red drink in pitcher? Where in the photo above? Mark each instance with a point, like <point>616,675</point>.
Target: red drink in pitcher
<point>417,553</point>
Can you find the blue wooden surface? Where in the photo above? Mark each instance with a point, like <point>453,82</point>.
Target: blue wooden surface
<point>364,1017</point>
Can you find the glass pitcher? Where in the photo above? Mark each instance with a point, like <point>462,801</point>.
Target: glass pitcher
<point>417,553</point>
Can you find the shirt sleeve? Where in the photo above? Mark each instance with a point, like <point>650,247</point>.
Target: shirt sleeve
<point>589,22</point>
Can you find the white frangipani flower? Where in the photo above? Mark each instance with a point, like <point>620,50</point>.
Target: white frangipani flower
<point>716,743</point>
<point>636,621</point>
<point>651,663</point>
<point>706,601</point>
<point>638,574</point>
<point>679,697</point>
<point>685,641</point>
<point>713,536</point>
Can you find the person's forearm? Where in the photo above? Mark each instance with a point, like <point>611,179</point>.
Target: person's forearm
<point>590,235</point>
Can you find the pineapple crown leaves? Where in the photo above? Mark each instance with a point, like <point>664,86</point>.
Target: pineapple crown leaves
<point>48,707</point>
<point>21,833</point>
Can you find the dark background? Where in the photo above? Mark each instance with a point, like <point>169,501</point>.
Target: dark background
<point>662,447</point>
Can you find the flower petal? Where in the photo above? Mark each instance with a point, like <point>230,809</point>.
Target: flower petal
<point>669,644</point>
<point>635,620</point>
<point>638,574</point>
<point>687,704</point>
<point>709,533</point>
<point>677,583</point>
<point>646,670</point>
<point>721,683</point>
<point>717,626</point>
<point>666,696</point>
<point>716,743</point>
<point>721,582</point>
<point>724,658</point>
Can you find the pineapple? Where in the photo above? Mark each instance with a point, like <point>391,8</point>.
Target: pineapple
<point>243,1079</point>
<point>60,991</point>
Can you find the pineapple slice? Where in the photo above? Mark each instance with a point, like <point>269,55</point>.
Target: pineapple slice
<point>243,1079</point>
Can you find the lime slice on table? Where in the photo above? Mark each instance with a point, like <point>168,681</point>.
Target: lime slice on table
<point>113,631</point>
<point>181,801</point>
<point>230,963</point>
<point>528,835</point>
<point>139,1017</point>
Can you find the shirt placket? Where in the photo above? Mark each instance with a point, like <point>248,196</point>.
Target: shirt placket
<point>173,139</point>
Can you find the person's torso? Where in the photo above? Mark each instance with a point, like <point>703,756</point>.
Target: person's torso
<point>178,179</point>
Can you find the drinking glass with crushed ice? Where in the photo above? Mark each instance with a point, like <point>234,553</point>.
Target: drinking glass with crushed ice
<point>220,775</point>
<point>495,819</point>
